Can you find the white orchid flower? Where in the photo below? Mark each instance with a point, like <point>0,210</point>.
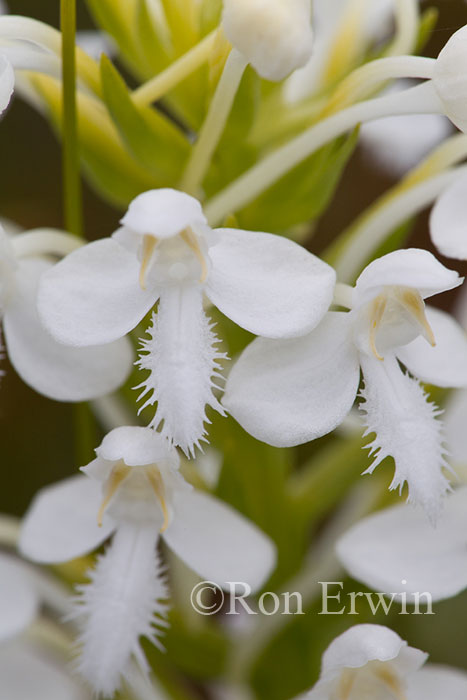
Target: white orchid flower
<point>273,35</point>
<point>398,144</point>
<point>26,670</point>
<point>340,26</point>
<point>397,551</point>
<point>51,368</point>
<point>136,493</point>
<point>450,79</point>
<point>371,662</point>
<point>289,392</point>
<point>448,226</point>
<point>165,251</point>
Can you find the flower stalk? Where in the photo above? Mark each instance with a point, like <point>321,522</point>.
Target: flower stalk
<point>71,171</point>
<point>420,99</point>
<point>214,124</point>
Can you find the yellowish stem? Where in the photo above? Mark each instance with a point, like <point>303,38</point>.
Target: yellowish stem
<point>181,69</point>
<point>214,123</point>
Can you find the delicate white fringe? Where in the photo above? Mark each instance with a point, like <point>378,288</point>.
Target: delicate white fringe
<point>406,427</point>
<point>123,602</point>
<point>182,357</point>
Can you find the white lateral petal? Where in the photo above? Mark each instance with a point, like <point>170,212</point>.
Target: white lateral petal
<point>136,447</point>
<point>434,682</point>
<point>448,221</point>
<point>7,82</point>
<point>19,602</point>
<point>414,268</point>
<point>399,544</point>
<point>58,371</point>
<point>287,392</point>
<point>445,364</point>
<point>163,213</point>
<point>27,672</point>
<point>217,542</point>
<point>267,284</point>
<point>93,296</point>
<point>61,523</point>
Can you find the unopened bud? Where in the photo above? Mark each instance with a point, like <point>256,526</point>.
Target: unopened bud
<point>275,36</point>
<point>450,78</point>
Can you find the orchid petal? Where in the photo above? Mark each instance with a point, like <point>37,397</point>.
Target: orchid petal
<point>58,371</point>
<point>406,428</point>
<point>19,602</point>
<point>454,417</point>
<point>397,551</point>
<point>445,364</point>
<point>434,682</point>
<point>448,221</point>
<point>364,643</point>
<point>356,650</point>
<point>413,268</point>
<point>217,542</point>
<point>123,602</point>
<point>163,213</point>
<point>93,296</point>
<point>7,82</point>
<point>136,447</point>
<point>61,523</point>
<point>292,391</point>
<point>183,360</point>
<point>398,144</point>
<point>26,672</point>
<point>267,284</point>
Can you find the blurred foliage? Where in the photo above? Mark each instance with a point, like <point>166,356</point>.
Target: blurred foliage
<point>126,149</point>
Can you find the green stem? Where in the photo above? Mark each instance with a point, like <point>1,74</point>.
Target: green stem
<point>71,174</point>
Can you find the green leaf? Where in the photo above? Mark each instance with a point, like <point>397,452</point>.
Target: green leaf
<point>427,24</point>
<point>198,652</point>
<point>253,480</point>
<point>211,11</point>
<point>107,163</point>
<point>155,142</point>
<point>118,19</point>
<point>302,194</point>
<point>155,52</point>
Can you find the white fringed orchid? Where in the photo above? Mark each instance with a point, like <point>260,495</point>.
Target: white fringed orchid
<point>289,392</point>
<point>273,35</point>
<point>134,491</point>
<point>26,669</point>
<point>344,29</point>
<point>165,252</point>
<point>448,221</point>
<point>371,662</point>
<point>398,144</point>
<point>59,372</point>
<point>396,550</point>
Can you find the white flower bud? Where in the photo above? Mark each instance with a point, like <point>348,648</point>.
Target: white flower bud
<point>450,78</point>
<point>275,36</point>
